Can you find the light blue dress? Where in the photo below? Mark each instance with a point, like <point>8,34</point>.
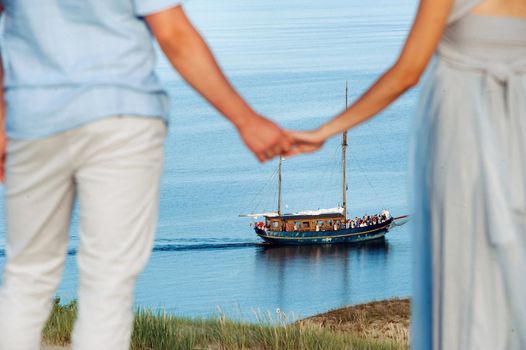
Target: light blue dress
<point>470,188</point>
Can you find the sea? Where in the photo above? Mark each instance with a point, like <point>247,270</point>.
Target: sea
<point>291,60</point>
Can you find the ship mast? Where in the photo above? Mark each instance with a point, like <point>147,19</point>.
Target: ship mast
<point>344,158</point>
<point>279,185</point>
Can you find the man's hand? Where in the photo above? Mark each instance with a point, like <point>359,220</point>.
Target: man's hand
<point>264,138</point>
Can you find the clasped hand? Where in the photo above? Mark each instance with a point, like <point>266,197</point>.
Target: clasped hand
<point>267,140</point>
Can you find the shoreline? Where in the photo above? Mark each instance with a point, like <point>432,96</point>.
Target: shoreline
<point>374,325</point>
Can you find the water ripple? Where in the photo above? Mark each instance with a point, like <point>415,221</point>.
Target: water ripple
<point>182,247</point>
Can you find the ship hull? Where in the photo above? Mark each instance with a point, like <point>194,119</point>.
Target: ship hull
<point>351,235</point>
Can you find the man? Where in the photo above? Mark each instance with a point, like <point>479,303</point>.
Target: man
<point>86,118</point>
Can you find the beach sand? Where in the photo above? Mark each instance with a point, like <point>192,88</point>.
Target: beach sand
<point>376,320</point>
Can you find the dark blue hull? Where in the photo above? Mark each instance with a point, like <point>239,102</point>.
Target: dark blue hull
<point>351,235</point>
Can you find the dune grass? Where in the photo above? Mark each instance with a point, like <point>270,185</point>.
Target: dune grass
<point>159,330</point>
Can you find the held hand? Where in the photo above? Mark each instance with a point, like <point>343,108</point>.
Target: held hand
<point>305,142</point>
<point>264,138</point>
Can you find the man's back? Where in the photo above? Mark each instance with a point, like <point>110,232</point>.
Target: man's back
<point>77,61</point>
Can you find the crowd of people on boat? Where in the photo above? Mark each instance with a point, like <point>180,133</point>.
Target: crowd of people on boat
<point>364,221</point>
<point>368,220</point>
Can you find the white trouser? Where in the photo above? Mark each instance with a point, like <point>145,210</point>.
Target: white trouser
<point>113,166</point>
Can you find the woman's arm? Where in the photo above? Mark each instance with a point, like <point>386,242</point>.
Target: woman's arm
<point>420,45</point>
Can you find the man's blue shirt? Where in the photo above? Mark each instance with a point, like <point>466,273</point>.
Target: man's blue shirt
<point>70,62</point>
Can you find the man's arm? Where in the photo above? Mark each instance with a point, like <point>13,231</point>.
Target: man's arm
<point>190,56</point>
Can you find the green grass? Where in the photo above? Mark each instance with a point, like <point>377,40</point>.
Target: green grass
<point>158,330</point>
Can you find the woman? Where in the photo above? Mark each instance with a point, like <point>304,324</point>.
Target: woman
<point>469,170</point>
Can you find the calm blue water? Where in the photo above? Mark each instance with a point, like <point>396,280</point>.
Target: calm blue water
<point>290,59</point>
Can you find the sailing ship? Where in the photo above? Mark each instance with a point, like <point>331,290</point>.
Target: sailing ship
<point>321,226</point>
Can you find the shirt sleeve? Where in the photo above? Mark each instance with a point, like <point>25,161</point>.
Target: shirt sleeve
<point>147,7</point>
